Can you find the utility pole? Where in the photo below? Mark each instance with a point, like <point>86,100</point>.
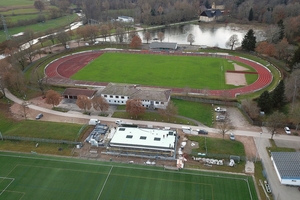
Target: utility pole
<point>5,28</point>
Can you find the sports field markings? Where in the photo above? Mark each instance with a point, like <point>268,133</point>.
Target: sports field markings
<point>12,180</point>
<point>98,164</point>
<point>105,182</point>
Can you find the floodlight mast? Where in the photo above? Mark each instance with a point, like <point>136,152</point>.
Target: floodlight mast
<point>5,28</point>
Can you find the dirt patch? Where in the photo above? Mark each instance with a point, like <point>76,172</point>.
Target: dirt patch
<point>235,79</point>
<point>239,67</point>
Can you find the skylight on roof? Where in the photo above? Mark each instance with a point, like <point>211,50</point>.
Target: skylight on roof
<point>156,139</point>
<point>129,136</point>
<point>143,137</point>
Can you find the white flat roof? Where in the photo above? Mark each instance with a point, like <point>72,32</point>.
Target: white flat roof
<point>144,138</point>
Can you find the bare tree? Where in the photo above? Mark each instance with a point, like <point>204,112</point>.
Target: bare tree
<point>63,38</point>
<point>191,38</point>
<point>104,31</point>
<point>161,36</point>
<point>135,107</point>
<point>275,121</point>
<point>38,80</point>
<point>3,73</point>
<point>225,126</point>
<point>24,110</point>
<point>39,5</point>
<point>170,111</point>
<point>52,97</point>
<point>273,34</point>
<point>15,80</point>
<point>120,34</point>
<point>147,36</point>
<point>83,102</point>
<point>292,86</point>
<point>251,108</point>
<point>233,42</point>
<point>295,115</point>
<point>100,103</point>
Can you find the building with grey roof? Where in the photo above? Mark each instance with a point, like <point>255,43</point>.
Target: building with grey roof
<point>118,94</point>
<point>287,167</point>
<point>73,93</point>
<point>163,46</point>
<point>210,15</point>
<point>143,141</point>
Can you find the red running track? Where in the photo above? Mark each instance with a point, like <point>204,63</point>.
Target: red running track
<point>62,69</point>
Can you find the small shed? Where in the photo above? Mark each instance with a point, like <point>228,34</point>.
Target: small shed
<point>287,167</point>
<point>163,46</point>
<point>72,93</point>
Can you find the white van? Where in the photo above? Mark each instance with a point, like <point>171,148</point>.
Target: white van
<point>186,129</point>
<point>94,122</point>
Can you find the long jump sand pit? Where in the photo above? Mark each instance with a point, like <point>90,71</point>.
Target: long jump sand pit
<point>236,78</point>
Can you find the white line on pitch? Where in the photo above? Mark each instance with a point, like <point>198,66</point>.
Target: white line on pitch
<point>105,182</point>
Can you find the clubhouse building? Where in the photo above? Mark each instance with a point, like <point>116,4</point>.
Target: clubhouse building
<point>145,142</point>
<point>152,98</point>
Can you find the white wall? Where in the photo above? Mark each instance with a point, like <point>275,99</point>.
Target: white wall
<point>121,100</point>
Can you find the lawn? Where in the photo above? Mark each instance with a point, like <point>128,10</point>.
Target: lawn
<point>158,70</point>
<point>42,27</point>
<point>216,145</point>
<point>38,129</point>
<point>17,3</point>
<point>41,177</point>
<point>194,110</point>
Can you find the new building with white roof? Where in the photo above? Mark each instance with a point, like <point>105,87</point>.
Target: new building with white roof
<point>144,141</point>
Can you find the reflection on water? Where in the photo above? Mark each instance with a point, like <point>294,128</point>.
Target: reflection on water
<point>213,36</point>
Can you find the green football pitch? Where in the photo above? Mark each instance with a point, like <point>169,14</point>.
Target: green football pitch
<point>161,70</point>
<point>30,176</point>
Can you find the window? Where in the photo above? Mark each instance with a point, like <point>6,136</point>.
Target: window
<point>121,129</point>
<point>108,100</point>
<point>105,95</point>
<point>117,97</point>
<point>129,136</point>
<point>162,103</point>
<point>143,137</point>
<point>156,102</point>
<point>156,139</point>
<point>111,96</point>
<point>122,97</point>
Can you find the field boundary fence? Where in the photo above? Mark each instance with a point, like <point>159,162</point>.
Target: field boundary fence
<point>8,137</point>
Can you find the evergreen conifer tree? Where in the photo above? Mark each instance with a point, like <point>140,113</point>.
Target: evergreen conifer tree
<point>264,102</point>
<point>249,41</point>
<point>277,96</point>
<point>250,18</point>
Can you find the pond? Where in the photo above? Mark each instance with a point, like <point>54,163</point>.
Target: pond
<point>212,35</point>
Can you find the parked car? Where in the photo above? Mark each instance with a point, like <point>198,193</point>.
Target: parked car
<point>202,131</point>
<point>287,130</point>
<point>232,136</point>
<point>220,117</point>
<point>39,116</point>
